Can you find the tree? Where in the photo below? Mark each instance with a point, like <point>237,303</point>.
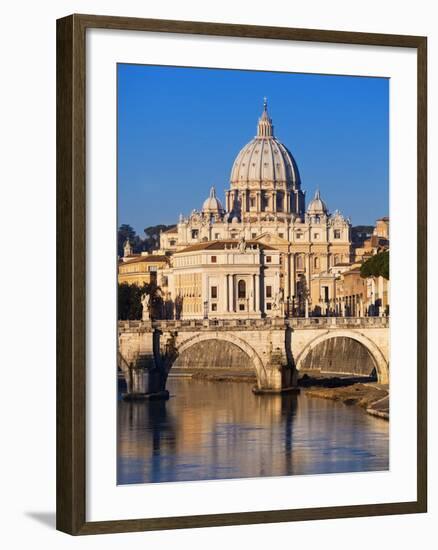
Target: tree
<point>152,240</point>
<point>125,232</point>
<point>376,266</point>
<point>360,233</point>
<point>129,301</point>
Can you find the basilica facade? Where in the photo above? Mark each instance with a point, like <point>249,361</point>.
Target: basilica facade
<point>262,253</point>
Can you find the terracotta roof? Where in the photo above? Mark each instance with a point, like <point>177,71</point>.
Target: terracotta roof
<point>221,245</point>
<point>151,258</point>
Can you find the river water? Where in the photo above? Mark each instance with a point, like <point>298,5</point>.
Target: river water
<point>220,430</point>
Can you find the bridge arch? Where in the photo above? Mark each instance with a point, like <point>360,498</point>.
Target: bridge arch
<point>230,338</point>
<point>378,358</point>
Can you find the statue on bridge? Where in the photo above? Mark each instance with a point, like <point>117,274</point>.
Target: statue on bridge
<point>279,302</point>
<point>145,302</point>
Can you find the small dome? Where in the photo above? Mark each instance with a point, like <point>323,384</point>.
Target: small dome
<point>317,205</point>
<point>265,159</point>
<point>212,205</point>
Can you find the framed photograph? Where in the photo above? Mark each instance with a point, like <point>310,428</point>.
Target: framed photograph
<point>241,274</point>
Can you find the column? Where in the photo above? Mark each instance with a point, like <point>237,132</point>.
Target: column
<point>286,275</point>
<point>274,201</point>
<point>227,293</point>
<point>292,275</point>
<point>251,295</point>
<point>360,312</point>
<point>258,201</point>
<point>308,264</point>
<point>230,293</point>
<point>257,293</point>
<point>308,269</point>
<point>205,295</point>
<point>204,288</point>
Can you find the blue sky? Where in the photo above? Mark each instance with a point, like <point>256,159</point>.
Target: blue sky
<point>180,129</point>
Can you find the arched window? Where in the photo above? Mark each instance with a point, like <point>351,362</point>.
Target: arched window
<point>241,289</point>
<point>316,263</point>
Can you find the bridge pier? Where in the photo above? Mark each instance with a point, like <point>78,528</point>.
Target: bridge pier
<point>137,359</point>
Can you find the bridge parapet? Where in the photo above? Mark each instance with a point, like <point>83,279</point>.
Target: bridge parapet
<point>338,322</point>
<point>255,324</point>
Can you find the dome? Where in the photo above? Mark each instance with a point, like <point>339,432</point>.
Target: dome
<point>317,205</point>
<point>265,159</point>
<point>212,204</point>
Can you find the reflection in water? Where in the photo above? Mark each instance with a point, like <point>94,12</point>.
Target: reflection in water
<point>211,430</point>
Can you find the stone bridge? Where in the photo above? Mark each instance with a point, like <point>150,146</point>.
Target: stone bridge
<point>275,349</point>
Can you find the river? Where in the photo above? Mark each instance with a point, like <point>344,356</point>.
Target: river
<point>221,430</point>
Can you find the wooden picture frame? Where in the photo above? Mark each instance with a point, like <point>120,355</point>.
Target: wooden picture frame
<point>71,273</point>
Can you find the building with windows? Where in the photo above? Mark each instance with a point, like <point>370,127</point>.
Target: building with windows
<point>139,268</point>
<point>264,209</point>
<point>226,279</point>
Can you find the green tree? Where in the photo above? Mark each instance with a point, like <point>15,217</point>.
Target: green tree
<point>376,266</point>
<point>129,301</point>
<point>152,240</point>
<point>125,232</point>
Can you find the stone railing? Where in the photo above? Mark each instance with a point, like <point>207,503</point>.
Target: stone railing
<point>244,324</point>
<point>327,322</point>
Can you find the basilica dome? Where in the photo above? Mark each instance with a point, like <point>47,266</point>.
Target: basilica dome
<point>212,204</point>
<point>265,159</point>
<point>317,205</point>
